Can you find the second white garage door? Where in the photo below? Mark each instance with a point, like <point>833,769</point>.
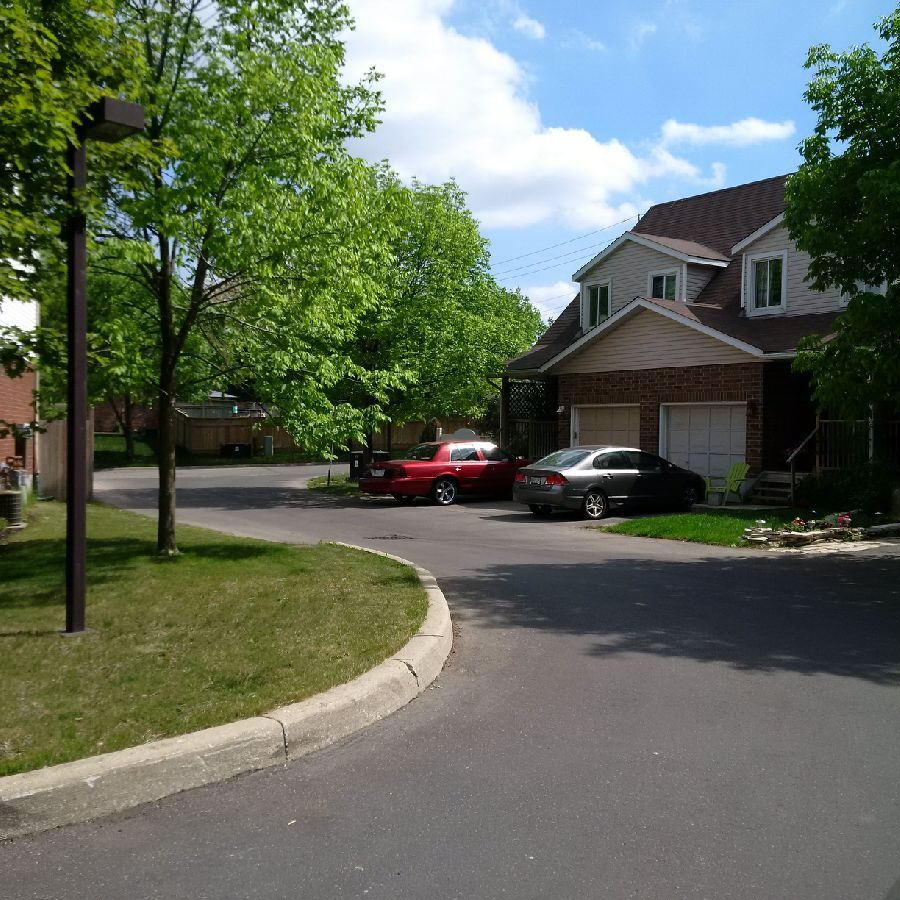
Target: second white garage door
<point>707,438</point>
<point>607,425</point>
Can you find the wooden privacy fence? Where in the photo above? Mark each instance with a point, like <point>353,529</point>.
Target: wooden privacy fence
<point>202,435</point>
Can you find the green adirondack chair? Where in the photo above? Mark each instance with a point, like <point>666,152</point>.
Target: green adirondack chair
<point>727,484</point>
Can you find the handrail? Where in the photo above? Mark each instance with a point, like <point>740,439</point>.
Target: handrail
<point>805,441</point>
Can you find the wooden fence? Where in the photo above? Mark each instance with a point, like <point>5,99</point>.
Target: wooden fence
<point>51,461</point>
<point>201,435</point>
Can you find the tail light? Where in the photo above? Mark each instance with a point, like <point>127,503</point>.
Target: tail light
<point>556,479</point>
<point>520,477</point>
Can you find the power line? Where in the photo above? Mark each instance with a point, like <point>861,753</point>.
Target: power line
<point>579,237</point>
<point>567,255</point>
<point>558,265</point>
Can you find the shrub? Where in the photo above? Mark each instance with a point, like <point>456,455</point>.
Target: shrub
<point>866,487</point>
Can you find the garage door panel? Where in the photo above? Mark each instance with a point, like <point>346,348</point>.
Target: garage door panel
<point>707,438</point>
<point>608,425</point>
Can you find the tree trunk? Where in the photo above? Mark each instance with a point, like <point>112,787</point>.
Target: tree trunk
<point>128,418</point>
<point>165,539</point>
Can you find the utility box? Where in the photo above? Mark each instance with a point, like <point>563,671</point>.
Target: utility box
<point>268,445</point>
<point>356,464</point>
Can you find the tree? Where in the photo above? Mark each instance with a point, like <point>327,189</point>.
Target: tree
<point>843,208</point>
<point>58,57</point>
<point>441,322</point>
<point>253,221</point>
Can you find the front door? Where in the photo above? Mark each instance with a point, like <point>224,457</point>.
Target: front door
<point>617,475</point>
<point>468,467</point>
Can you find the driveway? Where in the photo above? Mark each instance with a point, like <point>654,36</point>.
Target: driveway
<point>620,718</point>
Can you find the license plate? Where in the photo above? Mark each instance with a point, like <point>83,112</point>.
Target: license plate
<point>537,479</point>
<point>377,473</point>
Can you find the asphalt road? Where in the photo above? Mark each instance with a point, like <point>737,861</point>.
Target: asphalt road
<point>620,718</point>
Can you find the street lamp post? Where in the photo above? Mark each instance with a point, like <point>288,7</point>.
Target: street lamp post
<point>107,120</point>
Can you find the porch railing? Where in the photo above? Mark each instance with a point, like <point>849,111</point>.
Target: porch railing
<point>843,443</point>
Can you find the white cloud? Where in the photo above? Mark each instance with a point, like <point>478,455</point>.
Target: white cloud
<point>640,31</point>
<point>578,40</point>
<point>737,134</point>
<point>529,27</point>
<point>458,108</point>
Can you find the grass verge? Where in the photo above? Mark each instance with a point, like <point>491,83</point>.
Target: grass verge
<point>340,486</point>
<point>720,526</point>
<point>231,628</point>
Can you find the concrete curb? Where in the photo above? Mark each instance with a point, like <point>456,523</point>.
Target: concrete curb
<point>100,785</point>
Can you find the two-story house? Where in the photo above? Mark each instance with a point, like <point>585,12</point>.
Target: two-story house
<point>680,340</point>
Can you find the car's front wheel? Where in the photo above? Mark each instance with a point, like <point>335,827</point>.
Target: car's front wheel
<point>595,505</point>
<point>688,497</point>
<point>444,491</point>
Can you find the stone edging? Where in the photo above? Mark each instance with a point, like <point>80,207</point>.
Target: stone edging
<point>87,788</point>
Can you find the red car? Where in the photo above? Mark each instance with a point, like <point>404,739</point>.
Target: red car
<point>442,470</point>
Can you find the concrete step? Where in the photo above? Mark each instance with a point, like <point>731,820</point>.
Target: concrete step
<point>773,487</point>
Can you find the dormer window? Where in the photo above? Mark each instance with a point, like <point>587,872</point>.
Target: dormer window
<point>768,282</point>
<point>598,303</point>
<point>664,285</point>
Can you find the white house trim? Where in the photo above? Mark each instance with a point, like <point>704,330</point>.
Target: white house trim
<point>652,245</point>
<point>636,305</point>
<point>765,229</point>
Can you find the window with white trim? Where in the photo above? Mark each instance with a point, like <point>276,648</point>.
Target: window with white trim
<point>664,285</point>
<point>768,282</point>
<point>597,299</point>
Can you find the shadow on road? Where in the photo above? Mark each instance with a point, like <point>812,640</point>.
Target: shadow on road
<point>828,615</point>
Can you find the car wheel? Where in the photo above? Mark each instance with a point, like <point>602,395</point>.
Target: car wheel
<point>688,497</point>
<point>444,491</point>
<point>540,509</point>
<point>404,499</point>
<point>595,505</point>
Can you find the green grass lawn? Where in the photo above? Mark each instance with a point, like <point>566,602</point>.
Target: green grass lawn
<point>340,486</point>
<point>717,526</point>
<point>230,628</point>
<point>109,453</point>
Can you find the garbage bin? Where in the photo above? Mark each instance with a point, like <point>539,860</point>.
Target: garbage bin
<point>380,456</point>
<point>356,464</point>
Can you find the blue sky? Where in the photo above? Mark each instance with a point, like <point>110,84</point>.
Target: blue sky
<point>562,118</point>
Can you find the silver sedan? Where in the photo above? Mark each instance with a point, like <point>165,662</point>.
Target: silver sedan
<point>595,479</point>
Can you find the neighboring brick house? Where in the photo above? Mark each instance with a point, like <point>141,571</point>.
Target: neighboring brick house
<point>17,408</point>
<point>681,338</point>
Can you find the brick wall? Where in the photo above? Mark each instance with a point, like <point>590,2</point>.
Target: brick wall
<point>741,383</point>
<point>16,399</point>
<point>141,417</point>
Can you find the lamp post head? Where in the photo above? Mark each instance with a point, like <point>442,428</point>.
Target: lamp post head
<point>111,120</point>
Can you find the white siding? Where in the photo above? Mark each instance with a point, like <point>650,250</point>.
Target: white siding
<point>801,301</point>
<point>628,267</point>
<point>697,279</point>
<point>648,340</point>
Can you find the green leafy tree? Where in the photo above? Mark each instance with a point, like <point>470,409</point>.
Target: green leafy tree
<point>58,57</point>
<point>442,323</point>
<point>254,221</point>
<point>843,208</point>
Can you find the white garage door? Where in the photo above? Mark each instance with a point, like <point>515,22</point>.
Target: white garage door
<point>708,439</point>
<point>607,425</point>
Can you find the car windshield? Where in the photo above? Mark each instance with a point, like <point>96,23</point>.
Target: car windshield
<point>564,459</point>
<point>423,451</point>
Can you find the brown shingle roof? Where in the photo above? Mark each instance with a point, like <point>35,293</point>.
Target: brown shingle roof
<point>689,248</point>
<point>718,219</point>
<point>555,339</point>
